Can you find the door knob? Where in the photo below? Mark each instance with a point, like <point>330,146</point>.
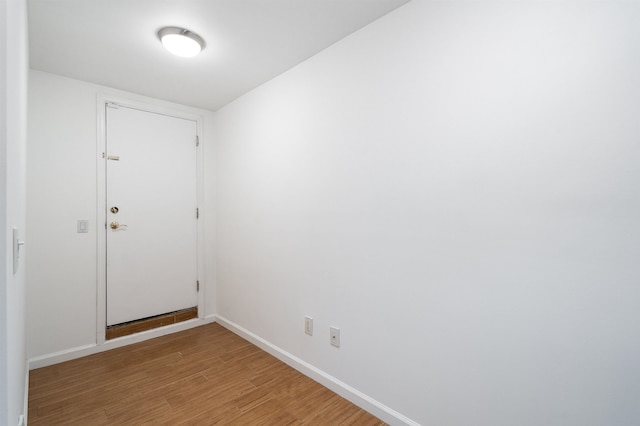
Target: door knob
<point>116,225</point>
<point>114,210</point>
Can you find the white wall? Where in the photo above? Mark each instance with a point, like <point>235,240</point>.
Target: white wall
<point>455,186</point>
<point>62,188</point>
<point>13,126</point>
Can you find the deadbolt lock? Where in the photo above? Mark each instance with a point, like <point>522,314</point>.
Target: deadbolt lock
<point>114,210</point>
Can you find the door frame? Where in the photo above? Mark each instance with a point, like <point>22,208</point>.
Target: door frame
<point>101,216</point>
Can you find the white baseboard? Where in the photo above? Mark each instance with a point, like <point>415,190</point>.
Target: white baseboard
<point>80,351</point>
<point>363,401</point>
<point>25,404</point>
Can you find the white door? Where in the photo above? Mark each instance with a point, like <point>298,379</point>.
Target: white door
<point>151,214</point>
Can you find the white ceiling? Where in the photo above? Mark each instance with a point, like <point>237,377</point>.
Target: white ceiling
<point>114,42</point>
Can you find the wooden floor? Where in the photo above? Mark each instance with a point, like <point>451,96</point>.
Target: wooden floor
<point>202,376</point>
<point>133,327</point>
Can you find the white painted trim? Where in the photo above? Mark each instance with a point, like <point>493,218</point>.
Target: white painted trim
<point>101,218</point>
<point>25,403</point>
<point>173,110</point>
<point>81,351</point>
<point>201,235</point>
<point>363,401</point>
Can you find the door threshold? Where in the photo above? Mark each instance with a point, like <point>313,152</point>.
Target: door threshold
<point>144,324</point>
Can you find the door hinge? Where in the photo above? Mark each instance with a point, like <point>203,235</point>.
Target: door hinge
<point>197,285</point>
<point>197,140</point>
<point>197,213</point>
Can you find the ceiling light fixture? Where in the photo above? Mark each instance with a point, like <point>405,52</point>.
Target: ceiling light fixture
<point>181,42</point>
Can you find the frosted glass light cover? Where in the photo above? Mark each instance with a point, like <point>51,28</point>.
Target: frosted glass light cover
<point>181,45</point>
<point>181,42</point>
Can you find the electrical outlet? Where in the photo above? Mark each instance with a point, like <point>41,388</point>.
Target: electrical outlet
<point>308,325</point>
<point>334,333</point>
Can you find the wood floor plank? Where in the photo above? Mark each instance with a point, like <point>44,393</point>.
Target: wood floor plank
<point>201,376</point>
<point>132,327</point>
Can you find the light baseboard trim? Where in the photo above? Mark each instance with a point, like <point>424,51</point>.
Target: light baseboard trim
<point>25,403</point>
<point>363,401</point>
<point>80,351</point>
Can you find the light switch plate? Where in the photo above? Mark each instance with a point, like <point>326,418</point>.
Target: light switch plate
<point>308,325</point>
<point>83,226</point>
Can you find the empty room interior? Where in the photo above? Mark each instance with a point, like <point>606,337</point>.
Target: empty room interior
<point>428,209</point>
